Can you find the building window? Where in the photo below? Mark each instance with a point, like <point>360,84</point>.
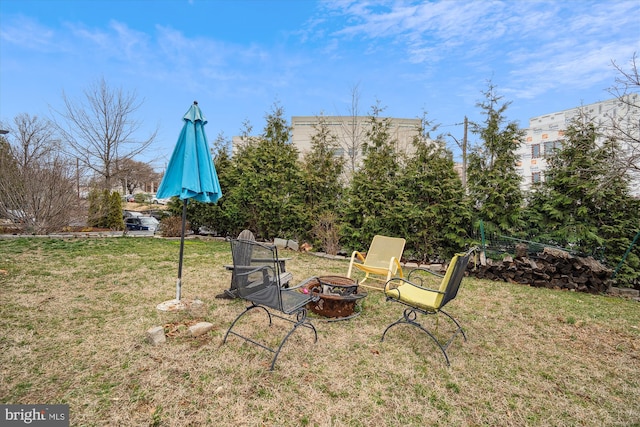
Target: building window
<point>535,177</point>
<point>551,147</point>
<point>535,151</point>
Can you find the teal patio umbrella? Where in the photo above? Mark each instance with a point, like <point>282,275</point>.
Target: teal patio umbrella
<point>190,173</point>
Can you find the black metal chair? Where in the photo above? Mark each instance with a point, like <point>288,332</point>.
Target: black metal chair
<point>243,257</point>
<point>414,293</point>
<point>260,281</point>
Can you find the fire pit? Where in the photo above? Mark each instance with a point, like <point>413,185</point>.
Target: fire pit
<point>338,296</point>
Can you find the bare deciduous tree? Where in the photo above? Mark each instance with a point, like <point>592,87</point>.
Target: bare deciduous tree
<point>133,174</point>
<point>624,125</point>
<point>100,132</point>
<point>36,183</point>
<point>355,131</point>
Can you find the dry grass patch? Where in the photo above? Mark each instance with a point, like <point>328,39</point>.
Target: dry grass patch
<point>74,315</point>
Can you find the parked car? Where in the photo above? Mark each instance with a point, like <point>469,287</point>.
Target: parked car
<point>128,198</point>
<point>142,223</point>
<point>18,215</point>
<point>157,201</point>
<point>206,231</point>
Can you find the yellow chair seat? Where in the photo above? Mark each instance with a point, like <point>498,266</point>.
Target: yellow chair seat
<point>416,297</point>
<point>382,271</point>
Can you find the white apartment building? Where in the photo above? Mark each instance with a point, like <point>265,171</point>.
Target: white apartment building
<point>546,133</point>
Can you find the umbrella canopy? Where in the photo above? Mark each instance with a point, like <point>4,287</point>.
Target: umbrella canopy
<point>190,173</point>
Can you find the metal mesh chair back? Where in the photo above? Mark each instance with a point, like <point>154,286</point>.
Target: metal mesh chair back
<point>460,266</point>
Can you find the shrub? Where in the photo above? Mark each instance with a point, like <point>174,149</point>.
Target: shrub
<point>105,210</point>
<point>172,226</point>
<point>326,231</point>
<point>142,198</point>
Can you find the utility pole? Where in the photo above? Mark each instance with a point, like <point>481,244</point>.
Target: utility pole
<point>78,177</point>
<point>464,153</point>
<point>463,146</point>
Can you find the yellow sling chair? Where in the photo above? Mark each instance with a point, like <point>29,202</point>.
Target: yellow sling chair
<point>382,259</point>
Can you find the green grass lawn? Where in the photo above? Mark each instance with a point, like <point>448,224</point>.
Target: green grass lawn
<point>74,314</point>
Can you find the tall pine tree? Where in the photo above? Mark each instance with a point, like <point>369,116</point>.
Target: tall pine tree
<point>267,179</point>
<point>322,170</point>
<point>493,181</point>
<point>371,207</point>
<point>433,202</point>
<point>579,205</point>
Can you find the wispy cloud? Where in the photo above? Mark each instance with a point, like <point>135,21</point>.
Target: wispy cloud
<point>27,33</point>
<point>546,43</point>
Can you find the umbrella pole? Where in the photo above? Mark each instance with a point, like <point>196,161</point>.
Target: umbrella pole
<point>184,222</point>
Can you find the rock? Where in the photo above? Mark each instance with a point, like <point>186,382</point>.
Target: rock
<point>624,292</point>
<point>200,328</point>
<point>286,244</point>
<point>155,335</point>
<point>293,245</point>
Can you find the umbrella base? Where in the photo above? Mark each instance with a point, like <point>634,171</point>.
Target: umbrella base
<point>172,305</point>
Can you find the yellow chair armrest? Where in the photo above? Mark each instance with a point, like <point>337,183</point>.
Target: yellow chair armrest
<point>399,271</point>
<point>354,255</point>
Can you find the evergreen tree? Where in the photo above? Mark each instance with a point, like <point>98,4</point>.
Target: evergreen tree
<point>267,191</point>
<point>322,171</point>
<point>579,205</point>
<point>493,181</point>
<point>433,202</point>
<point>372,205</point>
<point>105,210</point>
<point>114,214</point>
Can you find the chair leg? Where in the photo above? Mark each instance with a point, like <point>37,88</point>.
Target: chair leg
<point>246,310</point>
<point>301,320</point>
<point>409,317</point>
<point>457,324</point>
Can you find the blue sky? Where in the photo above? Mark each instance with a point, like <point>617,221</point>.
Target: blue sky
<point>238,58</point>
